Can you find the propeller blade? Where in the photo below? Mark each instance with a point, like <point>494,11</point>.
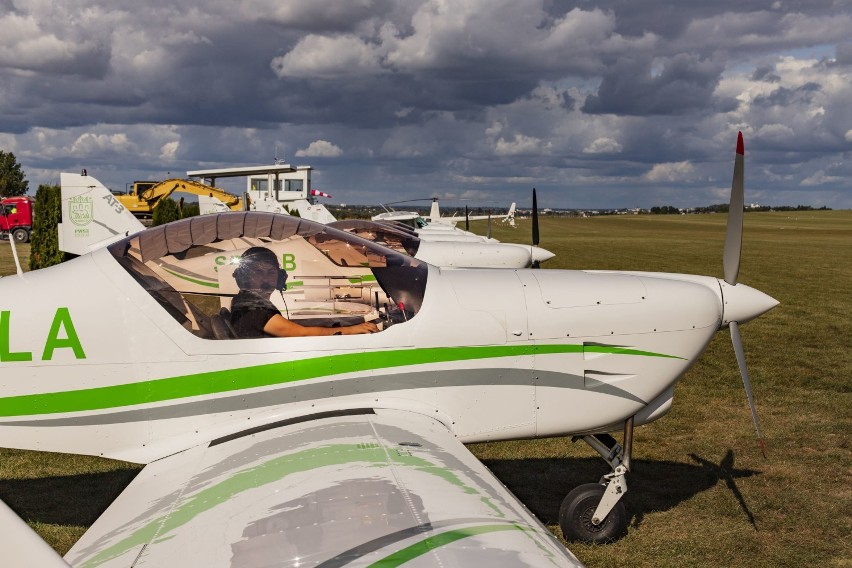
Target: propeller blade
<point>466,219</point>
<point>534,220</point>
<point>488,234</point>
<point>738,349</point>
<point>535,263</point>
<point>734,234</point>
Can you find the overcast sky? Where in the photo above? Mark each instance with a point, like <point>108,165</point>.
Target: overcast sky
<point>619,103</point>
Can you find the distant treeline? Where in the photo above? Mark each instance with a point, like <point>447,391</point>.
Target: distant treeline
<point>723,208</point>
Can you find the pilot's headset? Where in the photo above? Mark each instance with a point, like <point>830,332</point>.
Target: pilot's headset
<point>249,262</point>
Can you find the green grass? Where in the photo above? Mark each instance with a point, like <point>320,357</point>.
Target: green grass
<point>700,493</point>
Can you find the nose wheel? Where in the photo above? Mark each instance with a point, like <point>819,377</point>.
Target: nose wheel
<point>594,512</point>
<point>577,516</point>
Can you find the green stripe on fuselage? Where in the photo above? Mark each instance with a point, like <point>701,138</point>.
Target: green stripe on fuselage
<point>429,544</point>
<point>216,382</point>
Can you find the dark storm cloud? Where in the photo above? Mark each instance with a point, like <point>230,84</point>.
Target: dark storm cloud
<point>765,73</point>
<point>685,83</point>
<point>784,97</point>
<point>470,93</point>
<point>844,54</point>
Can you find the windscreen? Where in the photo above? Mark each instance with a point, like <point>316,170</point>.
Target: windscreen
<point>203,268</point>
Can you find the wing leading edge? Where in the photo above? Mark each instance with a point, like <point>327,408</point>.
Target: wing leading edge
<point>388,488</point>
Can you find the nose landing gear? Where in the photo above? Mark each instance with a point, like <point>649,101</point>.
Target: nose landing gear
<point>593,512</point>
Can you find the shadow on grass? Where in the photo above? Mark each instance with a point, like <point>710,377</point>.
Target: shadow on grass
<point>540,483</point>
<point>653,485</point>
<point>67,500</point>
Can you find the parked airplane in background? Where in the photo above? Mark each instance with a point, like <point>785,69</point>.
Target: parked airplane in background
<point>93,217</point>
<point>510,216</point>
<point>434,220</point>
<point>435,216</point>
<point>342,450</point>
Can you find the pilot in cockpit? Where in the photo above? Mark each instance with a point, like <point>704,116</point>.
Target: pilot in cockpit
<point>254,315</point>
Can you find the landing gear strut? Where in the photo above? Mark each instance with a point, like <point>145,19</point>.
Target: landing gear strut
<point>593,512</point>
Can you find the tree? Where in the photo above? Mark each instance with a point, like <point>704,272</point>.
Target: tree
<point>189,210</point>
<point>47,213</point>
<point>165,211</point>
<point>12,179</point>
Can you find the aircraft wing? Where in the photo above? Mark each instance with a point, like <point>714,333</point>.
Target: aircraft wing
<point>368,488</point>
<point>21,545</point>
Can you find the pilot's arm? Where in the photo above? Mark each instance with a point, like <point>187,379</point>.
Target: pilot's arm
<point>280,326</point>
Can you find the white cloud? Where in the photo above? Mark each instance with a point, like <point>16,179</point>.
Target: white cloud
<point>521,144</point>
<point>169,150</point>
<point>495,129</point>
<point>451,35</point>
<point>475,194</point>
<point>320,56</point>
<point>8,142</point>
<point>306,15</point>
<point>671,172</point>
<point>320,149</point>
<point>820,178</point>
<point>88,144</point>
<point>24,45</point>
<point>603,146</point>
<point>776,132</point>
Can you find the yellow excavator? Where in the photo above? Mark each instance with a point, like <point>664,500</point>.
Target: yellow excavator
<point>145,195</point>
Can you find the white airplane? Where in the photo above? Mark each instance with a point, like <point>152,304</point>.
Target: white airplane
<point>344,450</point>
<point>449,233</point>
<point>93,217</point>
<point>436,218</point>
<point>510,216</point>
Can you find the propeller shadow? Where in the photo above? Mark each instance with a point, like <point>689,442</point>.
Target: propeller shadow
<point>654,486</point>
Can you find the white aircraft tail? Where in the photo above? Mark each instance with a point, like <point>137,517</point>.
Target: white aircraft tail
<point>208,204</point>
<point>91,215</point>
<point>268,205</point>
<point>435,211</point>
<point>510,216</point>
<point>310,212</point>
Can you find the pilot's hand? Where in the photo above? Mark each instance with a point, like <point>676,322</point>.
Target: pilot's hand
<point>366,327</point>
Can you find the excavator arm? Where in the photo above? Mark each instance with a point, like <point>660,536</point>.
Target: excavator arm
<point>145,196</point>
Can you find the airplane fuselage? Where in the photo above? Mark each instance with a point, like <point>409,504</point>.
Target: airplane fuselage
<point>541,353</point>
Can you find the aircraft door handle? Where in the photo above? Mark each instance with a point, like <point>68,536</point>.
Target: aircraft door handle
<point>517,332</point>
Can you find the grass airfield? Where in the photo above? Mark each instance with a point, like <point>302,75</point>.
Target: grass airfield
<point>700,493</point>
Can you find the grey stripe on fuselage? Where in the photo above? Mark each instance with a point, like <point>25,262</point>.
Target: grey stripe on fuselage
<point>330,389</point>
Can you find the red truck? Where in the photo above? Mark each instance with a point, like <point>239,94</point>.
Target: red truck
<point>16,218</point>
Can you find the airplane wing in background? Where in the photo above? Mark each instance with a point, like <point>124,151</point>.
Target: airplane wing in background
<point>366,488</point>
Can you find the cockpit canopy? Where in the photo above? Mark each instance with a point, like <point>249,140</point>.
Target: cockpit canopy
<point>401,239</point>
<point>332,277</point>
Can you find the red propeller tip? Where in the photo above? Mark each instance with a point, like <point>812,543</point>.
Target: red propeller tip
<point>762,445</point>
<point>740,145</point>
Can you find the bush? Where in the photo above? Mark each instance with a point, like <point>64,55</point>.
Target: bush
<point>47,214</point>
<point>189,210</point>
<point>165,211</point>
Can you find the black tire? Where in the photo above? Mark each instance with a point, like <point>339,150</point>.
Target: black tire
<point>21,235</point>
<point>575,516</point>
